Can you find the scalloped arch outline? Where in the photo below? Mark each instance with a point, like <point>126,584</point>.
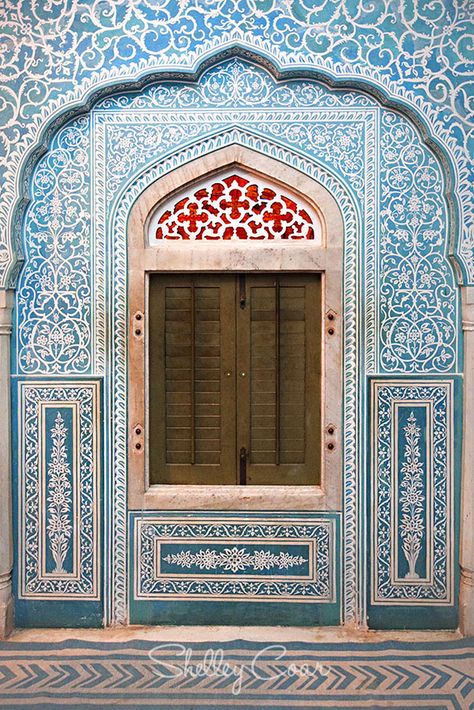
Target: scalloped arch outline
<point>107,83</point>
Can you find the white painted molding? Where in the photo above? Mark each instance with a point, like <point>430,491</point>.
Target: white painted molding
<point>6,548</point>
<point>466,593</point>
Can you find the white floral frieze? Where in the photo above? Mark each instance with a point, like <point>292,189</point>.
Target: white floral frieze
<point>235,559</point>
<point>221,558</point>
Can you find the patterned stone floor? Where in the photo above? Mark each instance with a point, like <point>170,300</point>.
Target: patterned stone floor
<point>78,673</point>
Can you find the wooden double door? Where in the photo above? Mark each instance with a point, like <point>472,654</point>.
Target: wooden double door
<point>234,379</point>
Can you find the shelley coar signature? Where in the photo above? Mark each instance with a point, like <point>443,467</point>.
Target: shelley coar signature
<point>179,663</point>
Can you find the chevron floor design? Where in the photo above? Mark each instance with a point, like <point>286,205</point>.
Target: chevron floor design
<point>86,674</point>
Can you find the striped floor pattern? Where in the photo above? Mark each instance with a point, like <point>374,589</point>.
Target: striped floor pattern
<point>83,674</point>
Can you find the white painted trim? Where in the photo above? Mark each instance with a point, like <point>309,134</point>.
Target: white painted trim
<point>6,532</point>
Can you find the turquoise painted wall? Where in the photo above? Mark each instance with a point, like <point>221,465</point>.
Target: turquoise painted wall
<point>393,149</point>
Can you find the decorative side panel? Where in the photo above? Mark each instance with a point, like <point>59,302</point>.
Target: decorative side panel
<point>264,558</point>
<point>58,494</point>
<point>412,493</point>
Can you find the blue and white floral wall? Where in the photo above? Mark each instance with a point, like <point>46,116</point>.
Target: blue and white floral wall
<point>373,100</point>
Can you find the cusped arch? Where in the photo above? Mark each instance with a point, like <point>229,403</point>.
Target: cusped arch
<point>83,99</point>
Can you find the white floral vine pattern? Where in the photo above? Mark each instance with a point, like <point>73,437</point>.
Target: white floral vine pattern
<point>52,53</point>
<point>412,526</point>
<point>59,500</point>
<point>417,307</point>
<point>54,297</point>
<point>235,559</point>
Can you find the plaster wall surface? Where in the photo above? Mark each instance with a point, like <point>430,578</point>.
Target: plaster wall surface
<point>392,148</point>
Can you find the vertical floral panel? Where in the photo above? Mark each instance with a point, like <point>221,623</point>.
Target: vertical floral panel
<point>58,490</point>
<point>60,513</point>
<point>412,494</point>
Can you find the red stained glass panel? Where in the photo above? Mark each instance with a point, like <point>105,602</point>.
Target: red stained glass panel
<point>236,208</point>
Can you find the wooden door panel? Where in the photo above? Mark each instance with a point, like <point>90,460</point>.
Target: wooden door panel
<point>279,348</point>
<point>191,350</point>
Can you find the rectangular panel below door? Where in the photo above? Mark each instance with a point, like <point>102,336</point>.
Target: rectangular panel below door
<point>240,568</point>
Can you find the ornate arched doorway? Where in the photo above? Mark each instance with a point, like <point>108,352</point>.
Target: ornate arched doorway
<point>396,312</point>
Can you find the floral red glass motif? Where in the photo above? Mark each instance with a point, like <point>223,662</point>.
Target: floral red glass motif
<point>235,208</point>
